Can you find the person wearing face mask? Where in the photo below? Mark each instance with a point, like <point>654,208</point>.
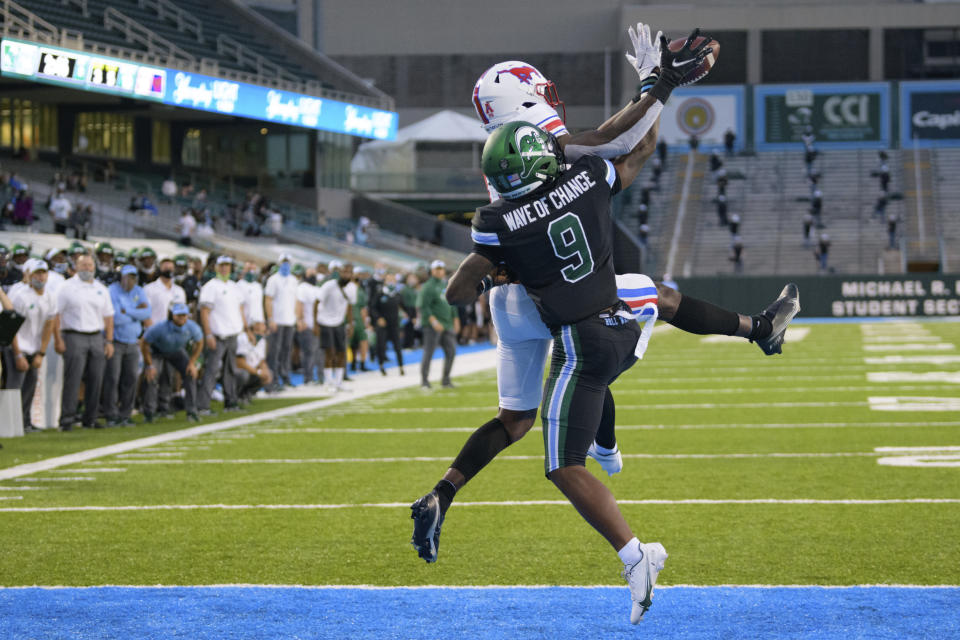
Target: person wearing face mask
<point>335,299</point>
<point>57,260</point>
<point>24,357</point>
<point>385,302</point>
<point>84,337</point>
<point>306,323</point>
<point>147,258</point>
<point>131,308</point>
<point>165,344</point>
<point>105,264</point>
<point>222,318</point>
<point>163,292</point>
<point>280,307</point>
<point>252,293</point>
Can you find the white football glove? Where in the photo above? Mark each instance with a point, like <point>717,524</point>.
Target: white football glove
<point>647,53</point>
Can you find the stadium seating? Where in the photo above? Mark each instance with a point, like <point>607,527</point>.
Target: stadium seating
<point>946,192</point>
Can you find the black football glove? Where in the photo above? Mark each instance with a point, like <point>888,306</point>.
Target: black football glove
<point>674,65</point>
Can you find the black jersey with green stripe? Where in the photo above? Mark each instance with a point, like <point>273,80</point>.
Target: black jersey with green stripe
<point>558,240</point>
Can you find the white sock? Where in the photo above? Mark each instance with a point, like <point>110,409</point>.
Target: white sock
<point>339,374</point>
<point>328,375</point>
<point>604,450</point>
<point>631,553</point>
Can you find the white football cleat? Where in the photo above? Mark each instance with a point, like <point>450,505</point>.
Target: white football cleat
<point>642,577</point>
<point>610,462</point>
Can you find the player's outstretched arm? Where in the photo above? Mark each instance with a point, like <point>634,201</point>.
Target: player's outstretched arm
<point>471,279</point>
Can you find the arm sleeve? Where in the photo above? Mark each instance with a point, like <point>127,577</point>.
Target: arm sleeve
<point>623,143</point>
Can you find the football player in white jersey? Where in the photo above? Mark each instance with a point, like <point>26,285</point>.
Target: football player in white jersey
<point>516,91</point>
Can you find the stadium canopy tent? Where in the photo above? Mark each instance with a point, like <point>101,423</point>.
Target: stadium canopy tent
<point>390,165</point>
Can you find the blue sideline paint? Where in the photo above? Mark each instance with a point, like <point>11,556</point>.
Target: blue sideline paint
<point>493,613</point>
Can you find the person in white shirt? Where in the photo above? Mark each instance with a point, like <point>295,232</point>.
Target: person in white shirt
<point>335,302</point>
<point>60,209</point>
<point>84,337</point>
<point>187,224</point>
<point>163,293</point>
<point>24,357</point>
<point>306,323</point>
<point>252,371</point>
<point>222,320</point>
<point>280,307</point>
<point>252,292</point>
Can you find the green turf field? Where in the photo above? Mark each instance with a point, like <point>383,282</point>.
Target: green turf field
<point>718,438</point>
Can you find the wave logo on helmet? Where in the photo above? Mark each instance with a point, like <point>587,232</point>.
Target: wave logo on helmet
<point>532,145</point>
<point>523,74</point>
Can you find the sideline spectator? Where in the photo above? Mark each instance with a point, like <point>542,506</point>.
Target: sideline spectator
<point>253,373</point>
<point>359,339</point>
<point>440,325</point>
<point>165,345</point>
<point>222,320</point>
<point>130,309</point>
<point>335,317</point>
<point>729,139</point>
<point>251,291</point>
<point>24,357</point>
<point>163,292</point>
<point>384,308</point>
<point>409,294</point>
<point>85,339</point>
<point>892,221</point>
<point>280,307</point>
<point>23,209</point>
<point>306,323</point>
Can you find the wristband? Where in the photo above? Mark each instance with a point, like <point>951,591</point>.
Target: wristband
<point>485,285</point>
<point>645,85</point>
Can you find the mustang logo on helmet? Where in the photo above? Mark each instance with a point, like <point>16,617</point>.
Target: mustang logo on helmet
<point>523,74</point>
<point>488,108</point>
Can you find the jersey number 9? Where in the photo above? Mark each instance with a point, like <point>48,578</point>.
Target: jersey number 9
<point>569,241</point>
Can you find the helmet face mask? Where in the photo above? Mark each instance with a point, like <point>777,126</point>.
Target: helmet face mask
<point>505,90</point>
<point>520,158</point>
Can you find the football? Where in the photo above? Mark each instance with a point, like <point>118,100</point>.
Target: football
<point>701,70</point>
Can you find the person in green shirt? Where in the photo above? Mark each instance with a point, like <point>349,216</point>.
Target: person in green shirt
<point>440,324</point>
<point>360,341</point>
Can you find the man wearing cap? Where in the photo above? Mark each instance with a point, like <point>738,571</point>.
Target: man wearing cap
<point>165,344</point>
<point>253,373</point>
<point>24,357</point>
<point>130,309</point>
<point>19,254</point>
<point>105,271</point>
<point>147,259</point>
<point>334,307</point>
<point>222,319</point>
<point>440,324</point>
<point>306,322</point>
<point>57,259</point>
<point>84,337</point>
<point>163,292</point>
<point>280,306</point>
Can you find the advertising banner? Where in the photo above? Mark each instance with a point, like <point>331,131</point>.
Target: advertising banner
<point>929,114</point>
<point>840,115</point>
<point>707,113</point>
<point>840,296</point>
<point>101,74</point>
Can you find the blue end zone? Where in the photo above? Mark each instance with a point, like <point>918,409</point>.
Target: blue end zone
<point>201,613</point>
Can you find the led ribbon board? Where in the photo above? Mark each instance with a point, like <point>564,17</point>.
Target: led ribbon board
<point>101,74</point>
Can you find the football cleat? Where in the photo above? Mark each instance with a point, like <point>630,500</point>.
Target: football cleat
<point>780,313</point>
<point>610,462</point>
<point>642,577</point>
<point>427,518</point>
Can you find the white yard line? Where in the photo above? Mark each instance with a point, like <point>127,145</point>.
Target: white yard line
<point>504,503</point>
<point>645,456</point>
<point>376,384</point>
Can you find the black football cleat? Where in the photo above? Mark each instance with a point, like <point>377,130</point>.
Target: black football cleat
<point>427,518</point>
<point>780,313</point>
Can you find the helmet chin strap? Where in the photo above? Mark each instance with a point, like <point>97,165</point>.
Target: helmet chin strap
<point>548,91</point>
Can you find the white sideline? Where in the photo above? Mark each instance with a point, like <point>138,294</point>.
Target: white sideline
<point>491,503</point>
<point>373,384</point>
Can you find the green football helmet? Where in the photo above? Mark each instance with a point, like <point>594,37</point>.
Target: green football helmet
<point>519,158</point>
<point>103,247</point>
